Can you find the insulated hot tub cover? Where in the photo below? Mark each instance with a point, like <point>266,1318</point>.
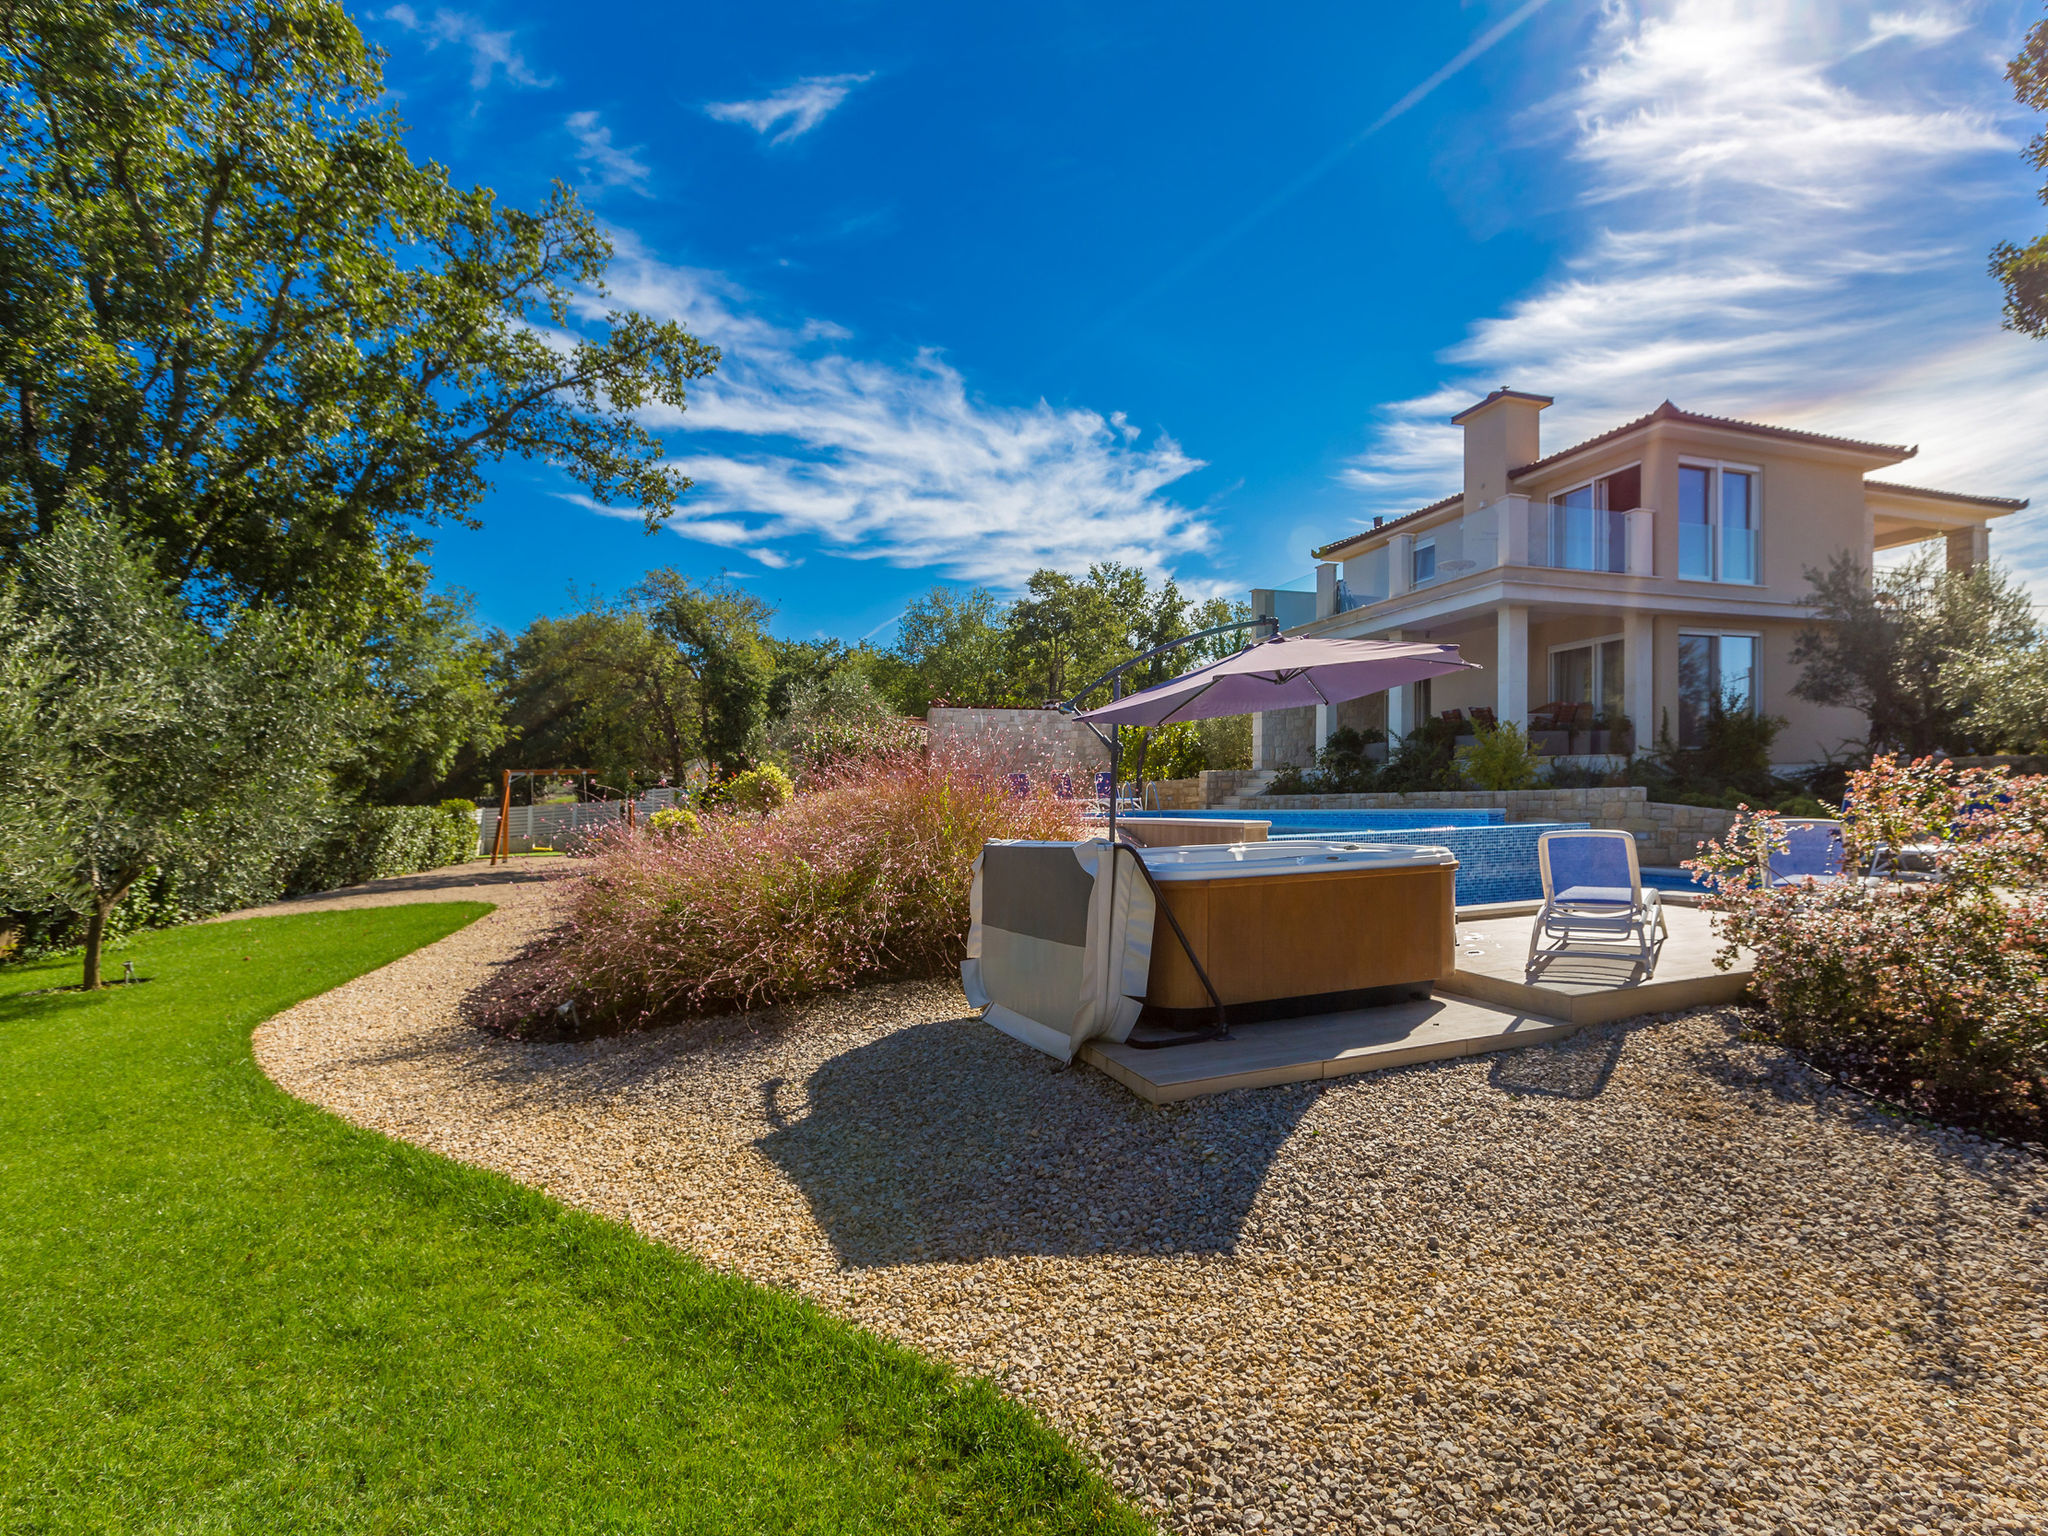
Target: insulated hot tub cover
<point>1058,951</point>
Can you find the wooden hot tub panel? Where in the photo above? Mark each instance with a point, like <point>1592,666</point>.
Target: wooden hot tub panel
<point>1304,934</point>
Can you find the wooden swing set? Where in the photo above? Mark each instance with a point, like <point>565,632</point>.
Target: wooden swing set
<point>501,845</point>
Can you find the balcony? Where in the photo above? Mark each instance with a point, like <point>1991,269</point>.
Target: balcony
<point>1513,531</point>
<point>1578,538</point>
<point>1711,552</point>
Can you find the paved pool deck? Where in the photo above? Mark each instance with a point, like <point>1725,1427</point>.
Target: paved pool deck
<point>1486,1004</point>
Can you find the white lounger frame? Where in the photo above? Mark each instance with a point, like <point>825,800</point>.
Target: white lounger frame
<point>1641,924</point>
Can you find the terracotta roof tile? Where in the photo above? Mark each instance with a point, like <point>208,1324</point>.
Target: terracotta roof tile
<point>2009,503</point>
<point>1392,522</point>
<point>1669,412</point>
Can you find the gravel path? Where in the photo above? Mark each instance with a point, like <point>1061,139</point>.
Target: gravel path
<point>476,881</point>
<point>1653,1278</point>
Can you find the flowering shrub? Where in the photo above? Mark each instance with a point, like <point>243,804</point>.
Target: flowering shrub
<point>758,789</point>
<point>864,877</point>
<point>1933,992</point>
<point>673,821</point>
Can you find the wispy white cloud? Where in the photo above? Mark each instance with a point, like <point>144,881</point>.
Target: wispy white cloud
<point>801,106</point>
<point>1923,26</point>
<point>1765,234</point>
<point>610,165</point>
<point>491,54</point>
<point>1457,62</point>
<point>799,445</point>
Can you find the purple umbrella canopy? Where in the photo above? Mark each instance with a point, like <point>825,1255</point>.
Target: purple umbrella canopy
<point>1284,674</point>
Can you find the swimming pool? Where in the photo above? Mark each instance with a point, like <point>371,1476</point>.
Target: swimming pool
<point>1496,857</point>
<point>1299,823</point>
<point>1658,878</point>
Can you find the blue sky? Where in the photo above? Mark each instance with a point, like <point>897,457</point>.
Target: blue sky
<point>1197,286</point>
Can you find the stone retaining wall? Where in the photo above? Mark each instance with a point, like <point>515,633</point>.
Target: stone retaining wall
<point>1665,834</point>
<point>1175,795</point>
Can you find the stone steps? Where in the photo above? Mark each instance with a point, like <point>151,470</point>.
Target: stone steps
<point>1250,790</point>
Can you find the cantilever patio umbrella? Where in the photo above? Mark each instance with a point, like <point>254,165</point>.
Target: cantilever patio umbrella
<point>1278,673</point>
<point>1283,674</point>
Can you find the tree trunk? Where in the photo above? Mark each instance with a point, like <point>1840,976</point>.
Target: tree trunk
<point>95,933</point>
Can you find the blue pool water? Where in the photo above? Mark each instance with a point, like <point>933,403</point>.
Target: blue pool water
<point>1321,823</point>
<point>1496,858</point>
<point>1658,879</point>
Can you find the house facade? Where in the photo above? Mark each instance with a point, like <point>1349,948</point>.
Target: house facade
<point>1612,590</point>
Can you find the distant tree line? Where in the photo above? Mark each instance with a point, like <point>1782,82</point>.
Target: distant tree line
<point>673,678</point>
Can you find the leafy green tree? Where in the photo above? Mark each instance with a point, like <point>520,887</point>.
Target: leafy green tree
<point>2024,269</point>
<point>1066,630</point>
<point>837,716</point>
<point>554,685</point>
<point>1499,757</point>
<point>2003,696</point>
<point>159,738</point>
<point>798,664</point>
<point>668,675</point>
<point>424,677</point>
<point>235,311</point>
<point>1893,644</point>
<point>717,644</point>
<point>949,645</point>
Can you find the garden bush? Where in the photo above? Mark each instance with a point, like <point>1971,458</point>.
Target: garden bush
<point>1499,757</point>
<point>864,877</point>
<point>759,790</point>
<point>287,859</point>
<point>378,841</point>
<point>674,821</point>
<point>1934,994</point>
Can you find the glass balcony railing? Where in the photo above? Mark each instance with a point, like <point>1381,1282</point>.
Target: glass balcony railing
<point>1708,553</point>
<point>1738,554</point>
<point>1578,538</point>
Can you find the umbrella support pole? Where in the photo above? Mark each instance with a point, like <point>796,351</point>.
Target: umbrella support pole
<point>1221,1031</point>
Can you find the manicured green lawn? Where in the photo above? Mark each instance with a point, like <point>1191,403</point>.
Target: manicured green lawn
<point>223,1310</point>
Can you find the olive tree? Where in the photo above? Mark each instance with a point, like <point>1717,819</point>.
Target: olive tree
<point>136,736</point>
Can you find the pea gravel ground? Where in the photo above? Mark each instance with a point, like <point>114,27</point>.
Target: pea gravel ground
<point>1654,1278</point>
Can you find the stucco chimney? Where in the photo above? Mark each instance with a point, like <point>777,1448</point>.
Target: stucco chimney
<point>1500,435</point>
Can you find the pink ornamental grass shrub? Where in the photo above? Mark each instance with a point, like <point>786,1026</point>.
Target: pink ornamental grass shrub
<point>863,877</point>
<point>1933,993</point>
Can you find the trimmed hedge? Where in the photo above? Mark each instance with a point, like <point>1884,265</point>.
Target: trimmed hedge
<point>379,841</point>
<point>362,843</point>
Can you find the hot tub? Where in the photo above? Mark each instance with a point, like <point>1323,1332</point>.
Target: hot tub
<point>1299,927</point>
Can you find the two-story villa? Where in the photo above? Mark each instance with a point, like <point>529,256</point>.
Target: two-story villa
<point>1611,590</point>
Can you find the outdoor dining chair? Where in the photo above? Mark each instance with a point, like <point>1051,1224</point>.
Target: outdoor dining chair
<point>1593,891</point>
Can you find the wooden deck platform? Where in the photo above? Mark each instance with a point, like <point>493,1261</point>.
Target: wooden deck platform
<point>1585,986</point>
<point>1326,1045</point>
<point>1487,1004</point>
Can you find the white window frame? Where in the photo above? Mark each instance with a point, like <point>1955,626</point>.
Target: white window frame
<point>1756,676</point>
<point>1598,668</point>
<point>1594,480</point>
<point>1415,578</point>
<point>1720,469</point>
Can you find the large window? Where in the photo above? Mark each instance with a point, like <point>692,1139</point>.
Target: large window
<point>1713,669</point>
<point>1587,528</point>
<point>1589,674</point>
<point>1717,523</point>
<point>1424,567</point>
